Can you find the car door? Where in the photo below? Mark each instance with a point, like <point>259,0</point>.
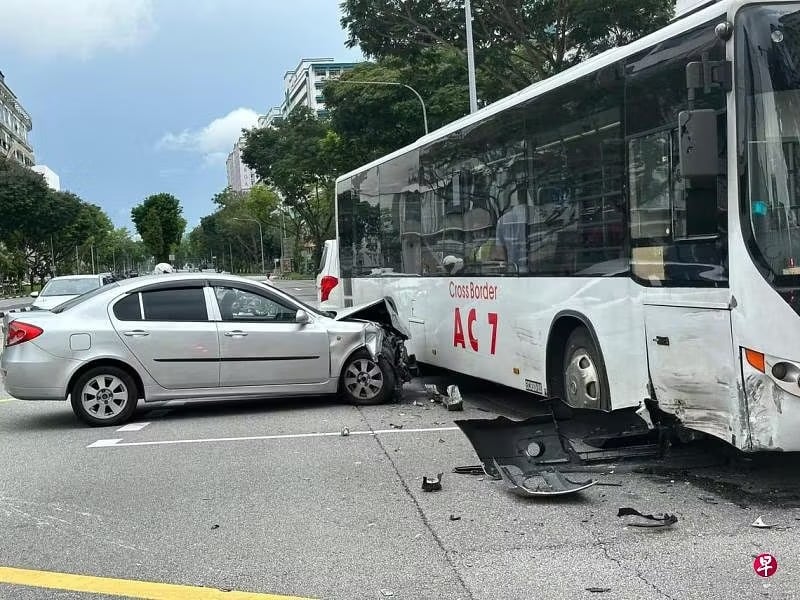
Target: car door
<point>262,344</point>
<point>169,331</point>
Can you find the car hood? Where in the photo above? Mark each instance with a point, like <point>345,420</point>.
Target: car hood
<point>380,311</point>
<point>48,302</point>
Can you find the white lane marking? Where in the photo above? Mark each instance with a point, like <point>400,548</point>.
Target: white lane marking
<point>6,399</point>
<point>159,412</point>
<point>287,436</point>
<point>104,443</point>
<point>134,426</point>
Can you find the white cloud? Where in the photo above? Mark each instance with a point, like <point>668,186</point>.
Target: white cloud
<point>74,27</point>
<point>213,141</point>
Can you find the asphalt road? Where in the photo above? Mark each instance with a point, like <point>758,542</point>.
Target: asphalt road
<point>9,303</point>
<point>252,496</point>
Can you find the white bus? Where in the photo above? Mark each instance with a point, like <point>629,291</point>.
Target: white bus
<point>625,233</point>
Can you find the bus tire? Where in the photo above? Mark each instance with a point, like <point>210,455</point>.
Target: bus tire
<point>584,383</point>
<point>365,381</point>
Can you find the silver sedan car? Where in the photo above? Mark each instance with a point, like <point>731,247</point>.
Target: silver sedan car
<point>199,335</point>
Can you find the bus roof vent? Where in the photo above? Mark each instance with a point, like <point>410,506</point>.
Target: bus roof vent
<point>687,7</point>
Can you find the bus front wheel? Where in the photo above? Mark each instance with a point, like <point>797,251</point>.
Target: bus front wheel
<point>584,381</point>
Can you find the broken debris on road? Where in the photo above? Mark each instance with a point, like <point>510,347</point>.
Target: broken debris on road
<point>432,484</point>
<point>660,520</point>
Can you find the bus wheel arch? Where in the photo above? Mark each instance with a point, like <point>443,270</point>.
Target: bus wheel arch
<point>573,332</point>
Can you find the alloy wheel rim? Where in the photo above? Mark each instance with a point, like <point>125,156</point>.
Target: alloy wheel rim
<point>363,379</point>
<point>104,396</point>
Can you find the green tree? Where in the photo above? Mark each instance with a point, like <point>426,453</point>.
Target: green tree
<point>517,42</point>
<point>295,158</point>
<point>229,234</point>
<point>160,222</point>
<point>369,121</point>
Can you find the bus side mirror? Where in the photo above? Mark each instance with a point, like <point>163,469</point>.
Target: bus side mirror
<point>698,145</point>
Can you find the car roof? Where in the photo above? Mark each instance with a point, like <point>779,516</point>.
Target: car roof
<point>146,280</point>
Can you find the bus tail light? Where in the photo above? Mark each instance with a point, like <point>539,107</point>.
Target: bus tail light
<point>19,332</point>
<point>326,286</point>
<point>756,359</point>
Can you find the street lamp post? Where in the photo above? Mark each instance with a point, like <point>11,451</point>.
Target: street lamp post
<point>260,236</point>
<point>473,94</point>
<point>415,92</point>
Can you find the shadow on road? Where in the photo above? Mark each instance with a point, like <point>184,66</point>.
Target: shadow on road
<point>208,409</point>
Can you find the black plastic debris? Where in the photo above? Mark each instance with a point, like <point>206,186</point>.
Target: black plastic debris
<point>395,426</point>
<point>598,590</point>
<point>215,526</point>
<point>455,518</point>
<point>345,431</point>
<point>432,484</point>
<point>469,470</point>
<point>660,520</point>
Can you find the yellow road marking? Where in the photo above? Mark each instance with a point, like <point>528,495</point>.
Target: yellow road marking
<point>128,588</point>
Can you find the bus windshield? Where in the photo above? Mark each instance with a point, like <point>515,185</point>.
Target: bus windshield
<point>769,75</point>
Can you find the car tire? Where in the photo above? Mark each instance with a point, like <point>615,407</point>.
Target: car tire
<point>367,382</point>
<point>583,375</point>
<point>104,396</point>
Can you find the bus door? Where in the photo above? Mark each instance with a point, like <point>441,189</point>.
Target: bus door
<point>679,258</point>
<point>691,359</point>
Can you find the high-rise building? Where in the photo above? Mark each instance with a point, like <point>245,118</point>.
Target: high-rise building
<point>240,177</point>
<point>274,115</point>
<point>302,86</point>
<point>50,176</point>
<point>15,124</point>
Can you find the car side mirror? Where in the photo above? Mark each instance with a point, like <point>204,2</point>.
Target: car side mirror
<point>34,294</point>
<point>301,317</point>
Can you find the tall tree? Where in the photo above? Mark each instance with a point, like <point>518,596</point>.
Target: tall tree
<point>293,158</point>
<point>517,42</point>
<point>160,222</point>
<point>372,120</point>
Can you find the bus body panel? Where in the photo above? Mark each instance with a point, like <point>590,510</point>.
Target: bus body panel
<point>499,331</point>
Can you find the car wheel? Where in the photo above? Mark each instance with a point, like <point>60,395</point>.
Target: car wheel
<point>585,384</point>
<point>366,381</point>
<point>104,396</point>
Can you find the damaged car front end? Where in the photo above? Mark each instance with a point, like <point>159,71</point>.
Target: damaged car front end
<point>383,336</point>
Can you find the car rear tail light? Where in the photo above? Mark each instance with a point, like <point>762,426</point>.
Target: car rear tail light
<point>19,332</point>
<point>326,285</point>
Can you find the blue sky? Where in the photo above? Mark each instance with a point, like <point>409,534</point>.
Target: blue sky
<point>135,97</point>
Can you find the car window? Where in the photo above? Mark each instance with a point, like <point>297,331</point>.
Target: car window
<point>128,309</point>
<point>80,299</point>
<point>323,259</point>
<point>70,287</point>
<point>182,304</point>
<point>242,305</point>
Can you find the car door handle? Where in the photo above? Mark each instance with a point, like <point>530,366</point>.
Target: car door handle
<point>236,333</point>
<point>136,333</point>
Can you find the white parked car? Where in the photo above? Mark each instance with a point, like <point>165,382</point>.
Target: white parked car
<point>61,289</point>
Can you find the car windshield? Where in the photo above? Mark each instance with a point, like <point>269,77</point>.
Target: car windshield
<point>70,286</point>
<point>769,69</point>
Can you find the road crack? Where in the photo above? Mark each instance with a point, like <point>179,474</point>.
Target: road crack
<point>423,517</point>
<point>620,562</point>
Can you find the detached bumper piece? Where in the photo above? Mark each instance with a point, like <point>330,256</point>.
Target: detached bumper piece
<point>545,483</point>
<point>530,455</point>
